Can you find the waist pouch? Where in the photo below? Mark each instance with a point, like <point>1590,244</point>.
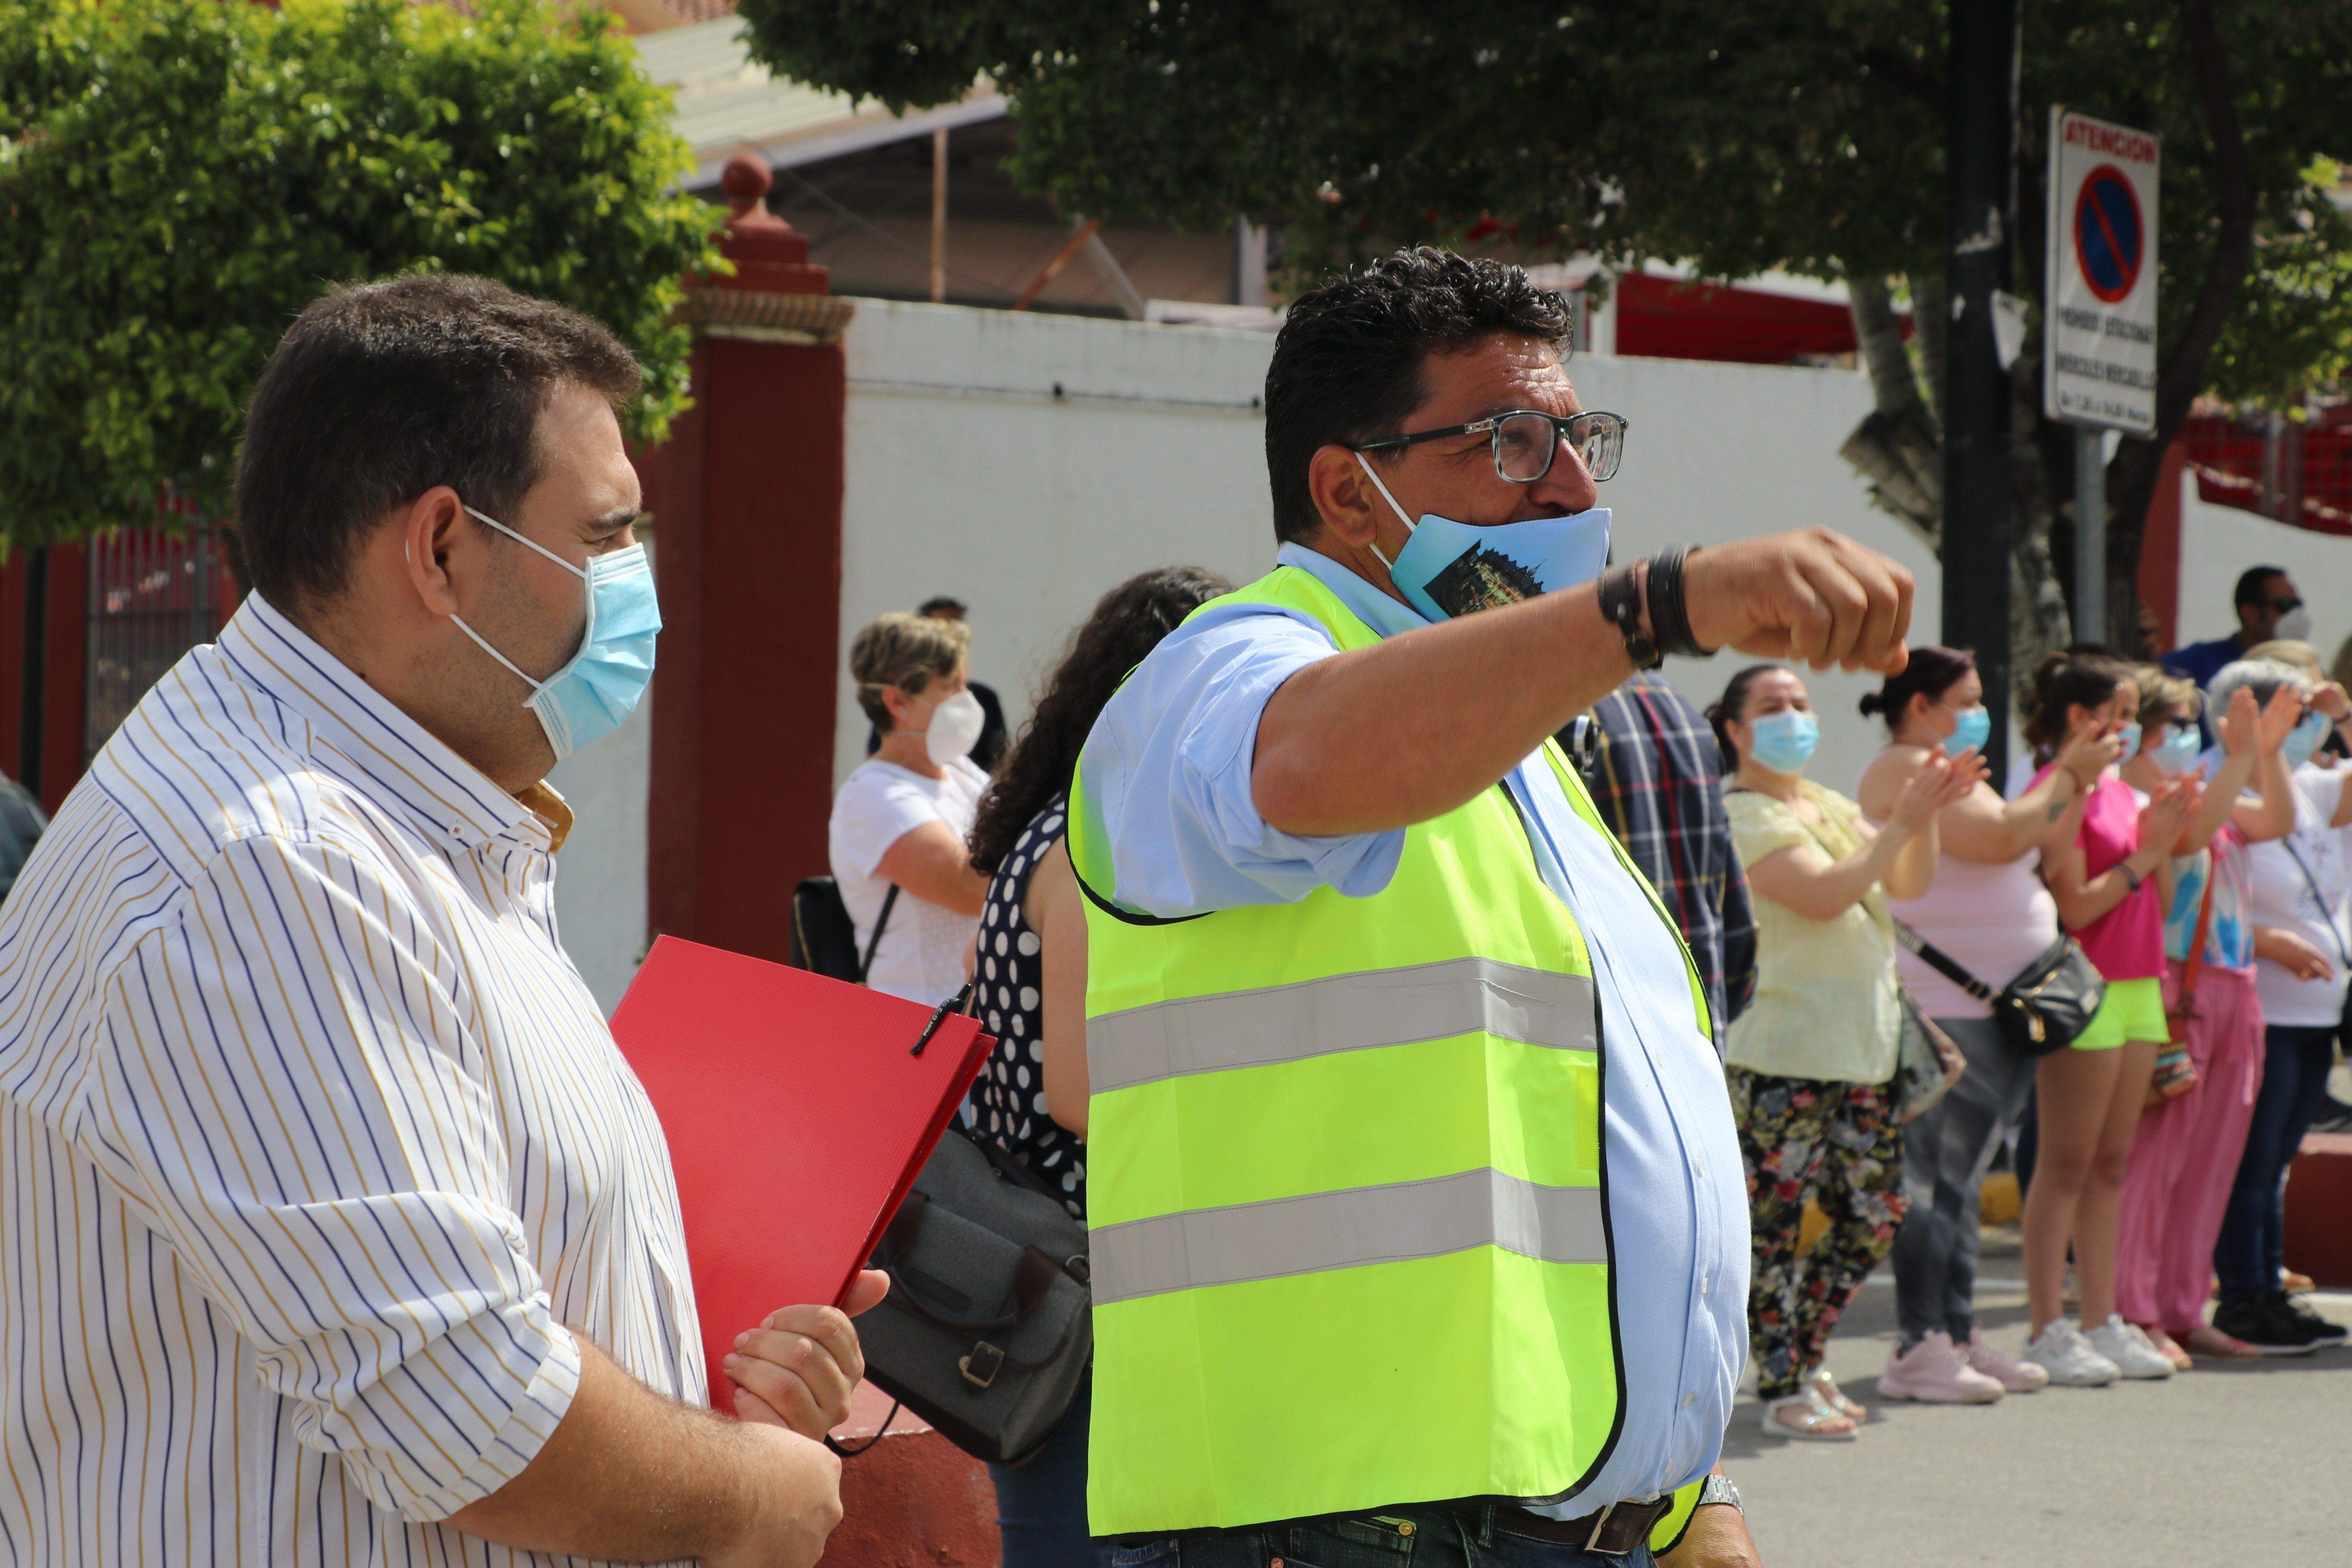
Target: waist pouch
<point>2045,1008</point>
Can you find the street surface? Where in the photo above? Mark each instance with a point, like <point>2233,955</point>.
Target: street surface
<point>2235,1465</point>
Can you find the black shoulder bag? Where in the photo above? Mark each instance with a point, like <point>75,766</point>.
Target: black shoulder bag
<point>989,1326</point>
<point>823,938</point>
<point>2045,1008</point>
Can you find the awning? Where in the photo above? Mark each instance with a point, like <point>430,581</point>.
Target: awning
<point>728,104</point>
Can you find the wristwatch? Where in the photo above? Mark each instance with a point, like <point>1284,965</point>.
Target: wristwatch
<point>1717,1488</point>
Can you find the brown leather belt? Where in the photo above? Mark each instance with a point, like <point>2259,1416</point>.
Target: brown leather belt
<point>1611,1531</point>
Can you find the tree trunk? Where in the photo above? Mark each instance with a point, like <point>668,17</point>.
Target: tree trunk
<point>1898,447</point>
<point>2039,623</point>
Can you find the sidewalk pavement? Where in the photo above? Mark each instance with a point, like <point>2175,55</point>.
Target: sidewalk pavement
<point>2234,1465</point>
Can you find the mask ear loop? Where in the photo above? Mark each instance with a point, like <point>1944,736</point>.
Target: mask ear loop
<point>1410,526</point>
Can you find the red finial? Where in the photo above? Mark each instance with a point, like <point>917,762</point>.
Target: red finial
<point>745,182</point>
<point>769,255</point>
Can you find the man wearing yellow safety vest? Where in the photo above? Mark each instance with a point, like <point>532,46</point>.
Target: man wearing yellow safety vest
<point>1418,1225</point>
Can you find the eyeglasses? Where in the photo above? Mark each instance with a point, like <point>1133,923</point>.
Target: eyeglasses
<point>1526,442</point>
<point>2286,606</point>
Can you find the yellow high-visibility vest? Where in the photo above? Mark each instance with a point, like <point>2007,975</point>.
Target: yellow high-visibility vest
<point>1345,1188</point>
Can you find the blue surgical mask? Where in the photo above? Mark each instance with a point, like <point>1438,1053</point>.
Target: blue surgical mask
<point>2304,738</point>
<point>1784,741</point>
<point>1448,568</point>
<point>2177,753</point>
<point>2129,734</point>
<point>599,687</point>
<point>1975,730</point>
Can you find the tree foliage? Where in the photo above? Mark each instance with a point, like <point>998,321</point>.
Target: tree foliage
<point>1738,135</point>
<point>179,178</point>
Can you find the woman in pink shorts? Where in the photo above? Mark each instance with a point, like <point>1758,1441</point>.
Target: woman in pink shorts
<point>2189,1139</point>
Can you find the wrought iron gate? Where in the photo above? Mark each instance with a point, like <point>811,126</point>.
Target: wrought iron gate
<point>155,593</point>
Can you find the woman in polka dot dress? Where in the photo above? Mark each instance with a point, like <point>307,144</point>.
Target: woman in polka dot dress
<point>1029,974</point>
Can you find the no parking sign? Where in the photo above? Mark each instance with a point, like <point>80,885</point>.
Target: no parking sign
<point>2099,331</point>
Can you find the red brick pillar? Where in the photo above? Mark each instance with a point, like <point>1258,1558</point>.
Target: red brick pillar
<point>746,498</point>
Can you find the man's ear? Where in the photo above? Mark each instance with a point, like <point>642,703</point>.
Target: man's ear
<point>429,527</point>
<point>1347,501</point>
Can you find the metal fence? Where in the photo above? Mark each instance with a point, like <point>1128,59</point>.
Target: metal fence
<point>155,593</point>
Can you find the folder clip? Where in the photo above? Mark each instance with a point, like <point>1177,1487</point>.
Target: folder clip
<point>954,1004</point>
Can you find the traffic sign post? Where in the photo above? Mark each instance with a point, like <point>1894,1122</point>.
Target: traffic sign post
<point>2098,329</point>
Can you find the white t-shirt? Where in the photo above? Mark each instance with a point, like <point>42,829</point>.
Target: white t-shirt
<point>2284,897</point>
<point>920,956</point>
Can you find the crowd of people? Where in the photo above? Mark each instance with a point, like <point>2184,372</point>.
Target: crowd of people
<point>2205,882</point>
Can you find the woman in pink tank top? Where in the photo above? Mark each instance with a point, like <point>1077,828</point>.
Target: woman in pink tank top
<point>1988,914</point>
<point>2110,881</point>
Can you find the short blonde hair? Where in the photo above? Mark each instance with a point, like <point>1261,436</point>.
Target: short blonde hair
<point>2160,692</point>
<point>2285,650</point>
<point>905,651</point>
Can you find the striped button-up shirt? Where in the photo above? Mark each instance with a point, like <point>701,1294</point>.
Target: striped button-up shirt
<point>312,1141</point>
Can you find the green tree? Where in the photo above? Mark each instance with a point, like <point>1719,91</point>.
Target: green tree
<point>1738,135</point>
<point>178,178</point>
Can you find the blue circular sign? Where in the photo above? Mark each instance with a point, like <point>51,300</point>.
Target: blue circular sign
<point>2110,240</point>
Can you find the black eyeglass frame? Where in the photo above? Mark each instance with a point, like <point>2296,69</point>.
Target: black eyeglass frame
<point>1492,427</point>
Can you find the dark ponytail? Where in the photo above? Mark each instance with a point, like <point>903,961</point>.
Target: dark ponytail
<point>1726,710</point>
<point>2071,677</point>
<point>1932,672</point>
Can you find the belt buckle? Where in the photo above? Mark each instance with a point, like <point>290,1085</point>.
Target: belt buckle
<point>1600,1523</point>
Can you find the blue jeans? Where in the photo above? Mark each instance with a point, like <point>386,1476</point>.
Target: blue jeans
<point>2295,1059</point>
<point>1419,1536</point>
<point>1041,1506</point>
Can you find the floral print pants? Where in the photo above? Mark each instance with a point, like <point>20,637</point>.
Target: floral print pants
<point>1838,1146</point>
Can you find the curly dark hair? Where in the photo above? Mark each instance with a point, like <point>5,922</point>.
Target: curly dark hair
<point>1127,623</point>
<point>1347,362</point>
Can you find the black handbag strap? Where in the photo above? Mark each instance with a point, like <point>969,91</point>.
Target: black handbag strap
<point>2343,959</point>
<point>866,964</point>
<point>1943,963</point>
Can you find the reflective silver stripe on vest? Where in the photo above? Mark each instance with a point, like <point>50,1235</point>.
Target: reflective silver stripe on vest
<point>1338,1012</point>
<point>1347,1229</point>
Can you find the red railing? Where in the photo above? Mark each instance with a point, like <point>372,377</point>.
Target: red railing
<point>2294,472</point>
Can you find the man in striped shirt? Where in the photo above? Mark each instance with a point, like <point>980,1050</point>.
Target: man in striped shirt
<point>333,1227</point>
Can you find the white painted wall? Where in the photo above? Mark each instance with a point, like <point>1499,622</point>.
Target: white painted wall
<point>2217,543</point>
<point>965,475</point>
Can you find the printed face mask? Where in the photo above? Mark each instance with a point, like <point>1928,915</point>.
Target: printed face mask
<point>2178,751</point>
<point>1784,741</point>
<point>955,727</point>
<point>1448,568</point>
<point>598,687</point>
<point>1975,729</point>
<point>2304,738</point>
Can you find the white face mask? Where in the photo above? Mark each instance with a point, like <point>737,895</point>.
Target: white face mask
<point>2294,626</point>
<point>955,728</point>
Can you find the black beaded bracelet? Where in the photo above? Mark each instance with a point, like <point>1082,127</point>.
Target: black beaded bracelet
<point>1620,594</point>
<point>1669,611</point>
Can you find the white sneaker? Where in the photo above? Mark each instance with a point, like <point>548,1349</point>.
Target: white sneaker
<point>2124,1344</point>
<point>2061,1350</point>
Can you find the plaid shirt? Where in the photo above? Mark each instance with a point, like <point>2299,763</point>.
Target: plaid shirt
<point>1656,772</point>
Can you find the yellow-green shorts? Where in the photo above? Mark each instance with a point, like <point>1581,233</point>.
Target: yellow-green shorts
<point>2133,1010</point>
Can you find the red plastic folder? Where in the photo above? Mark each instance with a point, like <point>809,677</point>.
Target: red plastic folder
<point>798,1115</point>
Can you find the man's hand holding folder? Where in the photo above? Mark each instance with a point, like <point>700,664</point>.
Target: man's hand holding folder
<point>798,1368</point>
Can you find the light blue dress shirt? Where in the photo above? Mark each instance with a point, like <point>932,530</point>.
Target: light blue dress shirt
<point>1168,763</point>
